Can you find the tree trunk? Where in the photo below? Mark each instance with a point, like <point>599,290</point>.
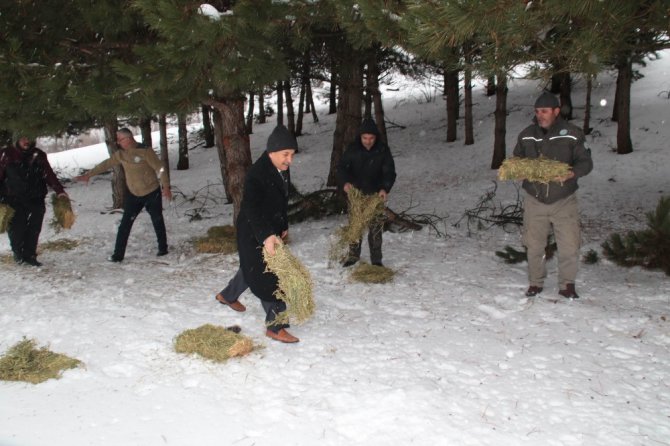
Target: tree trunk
<point>451,91</point>
<point>373,79</point>
<point>310,101</point>
<point>332,96</point>
<point>367,95</point>
<point>280,103</point>
<point>301,107</point>
<point>234,148</point>
<point>261,107</point>
<point>145,130</point>
<point>566,96</point>
<point>218,131</point>
<point>119,187</point>
<point>490,86</point>
<point>290,111</point>
<point>587,106</point>
<point>556,81</point>
<point>348,119</point>
<point>163,143</point>
<point>250,114</point>
<point>499,148</point>
<point>624,144</point>
<point>615,107</point>
<point>182,162</point>
<point>207,126</point>
<point>467,98</point>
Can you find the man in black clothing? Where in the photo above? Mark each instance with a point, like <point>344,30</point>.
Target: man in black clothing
<point>367,165</point>
<point>25,173</point>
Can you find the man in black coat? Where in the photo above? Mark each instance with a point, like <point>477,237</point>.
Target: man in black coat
<point>367,165</point>
<point>25,173</point>
<point>262,223</point>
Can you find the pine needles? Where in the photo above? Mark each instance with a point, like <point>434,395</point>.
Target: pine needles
<point>213,342</point>
<point>363,209</point>
<point>541,170</point>
<point>24,362</point>
<point>6,214</point>
<point>63,215</point>
<point>295,285</point>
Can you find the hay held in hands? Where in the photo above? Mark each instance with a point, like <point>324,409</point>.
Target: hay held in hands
<point>63,216</point>
<point>541,170</point>
<point>363,209</point>
<point>23,362</point>
<point>6,214</point>
<point>214,342</point>
<point>295,285</point>
<point>367,273</point>
<point>219,240</point>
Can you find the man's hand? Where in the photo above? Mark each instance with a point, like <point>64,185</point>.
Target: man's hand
<point>63,195</point>
<point>382,193</point>
<point>167,193</point>
<point>82,178</point>
<point>270,242</point>
<point>565,178</point>
<point>284,235</point>
<point>347,187</point>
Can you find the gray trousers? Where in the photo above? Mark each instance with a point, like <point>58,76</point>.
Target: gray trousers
<point>538,220</point>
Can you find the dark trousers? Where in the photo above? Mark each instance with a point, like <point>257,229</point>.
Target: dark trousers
<point>272,309</point>
<point>375,231</point>
<point>132,206</point>
<point>25,227</point>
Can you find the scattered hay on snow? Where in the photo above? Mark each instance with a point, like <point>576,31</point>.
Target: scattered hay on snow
<point>219,240</point>
<point>214,342</point>
<point>63,215</point>
<point>24,362</point>
<point>541,170</point>
<point>367,273</point>
<point>6,214</point>
<point>295,285</point>
<point>60,245</point>
<point>363,209</point>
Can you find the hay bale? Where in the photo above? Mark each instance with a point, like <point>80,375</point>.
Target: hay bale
<point>367,273</point>
<point>295,285</point>
<point>219,240</point>
<point>363,210</point>
<point>6,214</point>
<point>23,362</point>
<point>63,216</point>
<point>541,170</point>
<point>213,342</point>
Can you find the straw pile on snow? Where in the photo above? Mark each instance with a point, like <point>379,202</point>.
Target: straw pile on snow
<point>295,285</point>
<point>214,342</point>
<point>367,273</point>
<point>363,209</point>
<point>6,214</point>
<point>219,240</point>
<point>63,216</point>
<point>541,170</point>
<point>24,362</point>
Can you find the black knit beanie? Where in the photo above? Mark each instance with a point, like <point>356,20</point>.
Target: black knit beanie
<point>369,126</point>
<point>547,100</point>
<point>281,139</point>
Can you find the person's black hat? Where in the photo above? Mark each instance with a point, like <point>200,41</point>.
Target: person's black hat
<point>369,126</point>
<point>281,139</point>
<point>547,100</point>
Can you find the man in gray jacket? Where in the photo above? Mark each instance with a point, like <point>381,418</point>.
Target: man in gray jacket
<point>553,204</point>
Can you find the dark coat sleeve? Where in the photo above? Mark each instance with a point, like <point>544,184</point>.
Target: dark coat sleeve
<point>49,175</point>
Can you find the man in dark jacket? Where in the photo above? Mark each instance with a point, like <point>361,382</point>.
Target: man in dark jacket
<point>25,173</point>
<point>263,221</point>
<point>553,204</point>
<point>367,165</point>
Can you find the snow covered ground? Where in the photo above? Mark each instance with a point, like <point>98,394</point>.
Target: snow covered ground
<point>450,353</point>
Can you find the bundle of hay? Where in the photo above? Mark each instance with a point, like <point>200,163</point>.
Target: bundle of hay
<point>541,170</point>
<point>214,342</point>
<point>295,285</point>
<point>23,362</point>
<point>363,209</point>
<point>367,273</point>
<point>219,240</point>
<point>6,214</point>
<point>63,216</point>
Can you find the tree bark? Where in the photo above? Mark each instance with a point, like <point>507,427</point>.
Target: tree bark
<point>451,91</point>
<point>261,107</point>
<point>310,101</point>
<point>250,114</point>
<point>218,131</point>
<point>348,119</point>
<point>119,186</point>
<point>624,144</point>
<point>145,129</point>
<point>490,86</point>
<point>499,148</point>
<point>290,111</point>
<point>207,126</point>
<point>233,147</point>
<point>280,103</point>
<point>566,96</point>
<point>467,98</point>
<point>182,162</point>
<point>373,79</point>
<point>587,106</point>
<point>301,108</point>
<point>163,143</point>
<point>332,97</point>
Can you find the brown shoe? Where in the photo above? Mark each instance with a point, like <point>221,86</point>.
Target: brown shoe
<point>533,290</point>
<point>237,306</point>
<point>569,292</point>
<point>281,336</point>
